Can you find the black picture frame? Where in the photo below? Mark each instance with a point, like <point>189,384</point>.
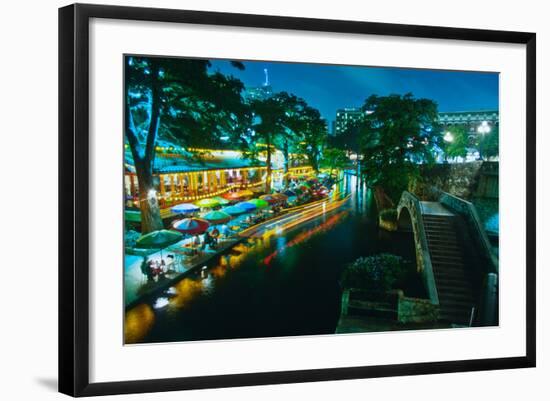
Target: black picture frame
<point>74,198</point>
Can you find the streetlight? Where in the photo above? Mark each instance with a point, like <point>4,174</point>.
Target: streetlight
<point>484,128</point>
<point>448,137</point>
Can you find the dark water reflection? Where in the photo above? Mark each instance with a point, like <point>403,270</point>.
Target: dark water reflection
<point>284,283</point>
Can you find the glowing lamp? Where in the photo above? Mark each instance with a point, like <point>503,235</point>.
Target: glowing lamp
<point>448,137</point>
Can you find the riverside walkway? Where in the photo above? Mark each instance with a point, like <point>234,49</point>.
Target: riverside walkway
<point>136,286</point>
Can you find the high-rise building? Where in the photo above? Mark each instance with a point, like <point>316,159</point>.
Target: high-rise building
<point>332,130</point>
<point>347,117</point>
<point>265,91</point>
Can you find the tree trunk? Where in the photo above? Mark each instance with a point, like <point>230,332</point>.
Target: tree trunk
<point>358,171</point>
<point>315,161</point>
<point>268,162</point>
<point>148,202</point>
<point>286,168</point>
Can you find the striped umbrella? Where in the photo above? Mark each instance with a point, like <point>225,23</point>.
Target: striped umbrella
<point>191,226</point>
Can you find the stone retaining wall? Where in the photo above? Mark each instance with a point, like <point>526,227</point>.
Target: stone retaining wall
<point>416,310</point>
<point>458,179</point>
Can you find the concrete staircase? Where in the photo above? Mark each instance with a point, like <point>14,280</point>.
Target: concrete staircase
<point>448,262</point>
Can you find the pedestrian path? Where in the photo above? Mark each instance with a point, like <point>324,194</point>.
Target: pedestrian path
<point>435,209</point>
<point>136,284</point>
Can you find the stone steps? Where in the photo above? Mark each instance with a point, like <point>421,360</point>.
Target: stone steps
<point>447,256</point>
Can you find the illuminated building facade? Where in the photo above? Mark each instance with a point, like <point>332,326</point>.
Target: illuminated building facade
<point>182,176</point>
<point>474,121</point>
<point>346,118</point>
<point>258,92</point>
<point>263,92</point>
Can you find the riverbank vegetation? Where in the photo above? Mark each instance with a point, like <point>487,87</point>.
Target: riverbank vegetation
<point>377,273</point>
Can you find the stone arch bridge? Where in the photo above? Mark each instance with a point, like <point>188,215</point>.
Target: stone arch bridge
<point>454,256</point>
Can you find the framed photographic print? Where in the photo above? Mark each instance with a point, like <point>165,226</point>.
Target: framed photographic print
<point>250,199</point>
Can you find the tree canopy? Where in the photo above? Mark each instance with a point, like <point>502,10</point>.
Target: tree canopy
<point>286,122</point>
<point>397,134</point>
<point>455,142</point>
<point>488,143</point>
<point>334,158</point>
<point>176,99</point>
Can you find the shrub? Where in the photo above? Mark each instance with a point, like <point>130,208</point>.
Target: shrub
<point>376,273</point>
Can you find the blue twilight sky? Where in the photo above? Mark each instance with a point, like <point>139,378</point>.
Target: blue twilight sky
<point>331,87</point>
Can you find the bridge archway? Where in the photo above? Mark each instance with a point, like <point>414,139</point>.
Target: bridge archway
<point>404,220</point>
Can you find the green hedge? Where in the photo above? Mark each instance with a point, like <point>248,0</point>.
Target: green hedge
<point>377,273</point>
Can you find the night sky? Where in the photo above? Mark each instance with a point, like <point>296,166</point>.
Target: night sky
<point>331,87</point>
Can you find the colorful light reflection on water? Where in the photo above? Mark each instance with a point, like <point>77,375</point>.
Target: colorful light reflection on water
<point>304,236</point>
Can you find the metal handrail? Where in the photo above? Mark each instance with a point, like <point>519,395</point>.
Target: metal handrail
<point>469,211</point>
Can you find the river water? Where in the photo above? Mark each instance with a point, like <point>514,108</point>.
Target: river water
<point>283,282</point>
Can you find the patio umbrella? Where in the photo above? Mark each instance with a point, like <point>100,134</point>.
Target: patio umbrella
<point>130,237</point>
<point>270,199</point>
<point>246,206</point>
<point>259,203</point>
<point>184,208</point>
<point>217,217</point>
<point>191,226</point>
<point>233,210</point>
<point>158,239</point>
<point>208,202</point>
<point>323,190</point>
<point>231,196</point>
<point>132,216</point>
<point>221,201</point>
<point>280,197</point>
<point>244,193</point>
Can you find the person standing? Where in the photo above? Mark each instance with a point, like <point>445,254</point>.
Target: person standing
<point>146,269</point>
